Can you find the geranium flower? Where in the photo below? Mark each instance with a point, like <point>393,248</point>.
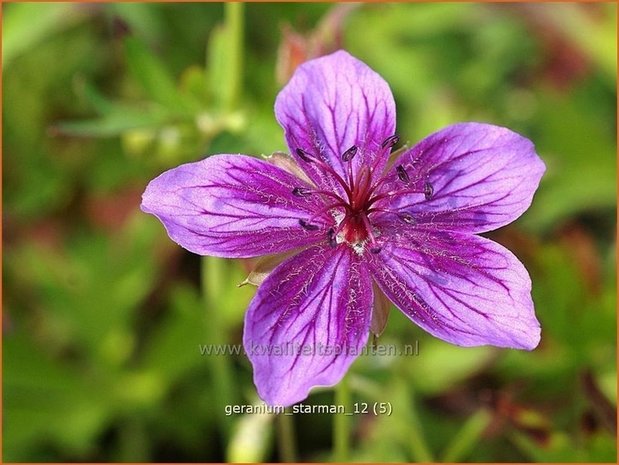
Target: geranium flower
<point>354,224</point>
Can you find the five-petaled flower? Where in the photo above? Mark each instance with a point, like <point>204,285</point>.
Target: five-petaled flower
<point>356,221</point>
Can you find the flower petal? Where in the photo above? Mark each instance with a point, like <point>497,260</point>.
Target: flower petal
<point>463,289</point>
<point>480,177</point>
<point>307,323</point>
<point>231,206</point>
<point>330,104</point>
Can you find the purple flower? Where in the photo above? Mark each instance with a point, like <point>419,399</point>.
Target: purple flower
<point>356,224</point>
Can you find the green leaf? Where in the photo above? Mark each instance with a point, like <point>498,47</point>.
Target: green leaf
<point>142,18</point>
<point>457,363</point>
<point>46,400</point>
<point>400,435</point>
<point>174,347</point>
<point>154,77</point>
<point>112,124</point>
<point>599,447</point>
<point>467,438</point>
<point>91,291</point>
<point>576,141</point>
<point>100,103</point>
<point>27,24</point>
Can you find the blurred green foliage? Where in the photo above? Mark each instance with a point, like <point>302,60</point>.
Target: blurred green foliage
<point>103,314</point>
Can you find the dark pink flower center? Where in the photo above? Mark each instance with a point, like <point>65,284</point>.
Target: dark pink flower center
<point>352,213</point>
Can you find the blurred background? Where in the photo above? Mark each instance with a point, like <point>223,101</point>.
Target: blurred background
<point>104,315</point>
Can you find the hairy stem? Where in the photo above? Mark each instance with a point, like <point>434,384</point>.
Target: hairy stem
<point>234,29</point>
<point>342,423</point>
<point>286,438</point>
<point>212,278</point>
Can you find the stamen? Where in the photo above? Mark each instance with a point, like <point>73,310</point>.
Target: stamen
<point>406,218</point>
<point>428,190</point>
<point>327,167</point>
<point>305,192</point>
<point>332,237</point>
<point>301,192</point>
<point>350,153</point>
<point>308,226</point>
<point>376,249</point>
<point>390,194</point>
<point>306,157</point>
<point>390,141</point>
<point>402,174</point>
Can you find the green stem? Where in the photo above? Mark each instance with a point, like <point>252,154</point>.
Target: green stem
<point>212,278</point>
<point>286,438</point>
<point>134,444</point>
<point>342,423</point>
<point>234,29</point>
<point>419,448</point>
<point>468,436</point>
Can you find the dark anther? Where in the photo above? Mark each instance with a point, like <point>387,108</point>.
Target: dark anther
<point>306,157</point>
<point>428,190</point>
<point>402,174</point>
<point>309,226</point>
<point>376,249</point>
<point>390,141</point>
<point>406,218</point>
<point>301,192</point>
<point>350,153</point>
<point>331,237</point>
